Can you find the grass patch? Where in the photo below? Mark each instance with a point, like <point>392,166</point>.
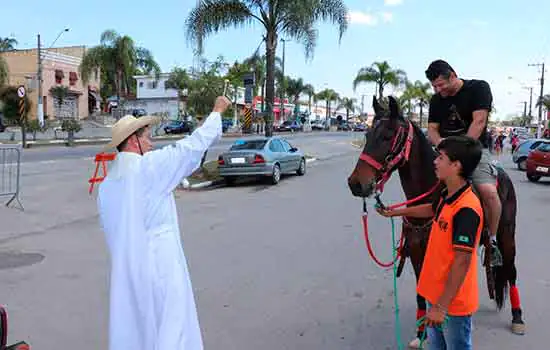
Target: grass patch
<point>208,172</point>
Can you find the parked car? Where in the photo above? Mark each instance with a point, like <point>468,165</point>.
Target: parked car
<point>261,156</point>
<point>139,112</point>
<point>343,126</point>
<point>178,127</point>
<point>360,127</point>
<point>290,125</point>
<point>538,162</point>
<point>522,152</point>
<point>317,125</point>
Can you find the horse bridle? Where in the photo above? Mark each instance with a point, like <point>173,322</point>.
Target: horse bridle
<point>399,152</point>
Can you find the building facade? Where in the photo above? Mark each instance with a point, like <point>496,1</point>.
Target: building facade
<point>154,97</point>
<point>60,67</point>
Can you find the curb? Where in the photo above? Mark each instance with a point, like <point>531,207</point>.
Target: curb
<point>186,185</point>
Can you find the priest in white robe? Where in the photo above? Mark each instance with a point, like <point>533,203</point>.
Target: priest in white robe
<point>152,306</point>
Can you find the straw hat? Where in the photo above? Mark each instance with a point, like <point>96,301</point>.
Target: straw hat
<point>126,126</point>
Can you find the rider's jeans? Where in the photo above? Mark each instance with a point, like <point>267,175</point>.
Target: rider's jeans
<point>456,334</point>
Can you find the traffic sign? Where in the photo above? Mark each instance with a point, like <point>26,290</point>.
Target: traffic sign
<point>21,91</point>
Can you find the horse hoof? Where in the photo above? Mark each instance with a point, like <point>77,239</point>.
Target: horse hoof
<point>414,344</point>
<point>518,328</point>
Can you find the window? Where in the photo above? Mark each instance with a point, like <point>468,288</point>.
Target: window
<point>275,146</point>
<point>286,146</point>
<point>140,84</point>
<point>535,144</point>
<point>251,144</point>
<point>59,75</point>
<point>545,147</point>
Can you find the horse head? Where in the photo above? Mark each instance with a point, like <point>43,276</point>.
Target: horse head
<point>387,145</point>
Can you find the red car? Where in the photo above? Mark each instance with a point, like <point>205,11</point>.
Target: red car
<point>538,162</point>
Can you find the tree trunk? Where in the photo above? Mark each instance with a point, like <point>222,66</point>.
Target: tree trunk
<point>271,50</point>
<point>347,115</point>
<point>380,91</point>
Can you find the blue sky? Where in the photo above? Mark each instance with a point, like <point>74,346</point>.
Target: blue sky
<point>482,39</point>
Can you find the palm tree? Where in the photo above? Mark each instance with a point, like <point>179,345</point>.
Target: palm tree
<point>7,44</point>
<point>258,63</point>
<point>120,59</point>
<point>293,19</point>
<point>294,88</point>
<point>328,95</point>
<point>382,74</point>
<point>310,91</point>
<point>422,96</point>
<point>349,104</point>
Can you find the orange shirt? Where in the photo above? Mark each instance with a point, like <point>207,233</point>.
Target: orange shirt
<point>457,225</point>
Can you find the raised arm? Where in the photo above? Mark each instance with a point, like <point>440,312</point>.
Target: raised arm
<point>169,165</point>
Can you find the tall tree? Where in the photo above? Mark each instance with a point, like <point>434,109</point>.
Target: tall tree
<point>349,104</point>
<point>382,74</point>
<point>310,92</point>
<point>118,59</point>
<point>295,88</point>
<point>10,109</point>
<point>7,44</point>
<point>293,19</point>
<point>329,96</point>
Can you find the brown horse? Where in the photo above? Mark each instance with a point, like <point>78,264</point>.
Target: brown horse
<point>394,143</point>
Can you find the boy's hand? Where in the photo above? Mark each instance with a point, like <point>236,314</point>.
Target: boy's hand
<point>385,212</point>
<point>434,317</point>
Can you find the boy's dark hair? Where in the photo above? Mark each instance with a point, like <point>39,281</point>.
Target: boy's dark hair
<point>464,149</point>
<point>123,144</point>
<point>439,68</point>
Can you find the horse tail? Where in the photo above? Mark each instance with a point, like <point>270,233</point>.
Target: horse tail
<point>501,285</point>
<point>507,227</point>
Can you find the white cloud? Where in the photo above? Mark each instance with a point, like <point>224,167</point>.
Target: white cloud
<point>393,2</point>
<point>387,17</point>
<point>358,17</point>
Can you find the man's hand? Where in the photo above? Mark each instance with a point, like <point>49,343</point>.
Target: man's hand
<point>221,105</point>
<point>385,212</point>
<point>435,316</point>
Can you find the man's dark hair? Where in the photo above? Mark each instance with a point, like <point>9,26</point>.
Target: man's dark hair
<point>123,144</point>
<point>464,149</point>
<point>439,68</point>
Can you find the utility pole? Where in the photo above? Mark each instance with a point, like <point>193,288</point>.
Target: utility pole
<point>524,109</point>
<point>530,100</point>
<point>539,121</point>
<point>362,105</point>
<point>282,108</point>
<point>40,110</point>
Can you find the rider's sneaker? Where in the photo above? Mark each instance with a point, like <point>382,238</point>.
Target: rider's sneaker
<point>496,256</point>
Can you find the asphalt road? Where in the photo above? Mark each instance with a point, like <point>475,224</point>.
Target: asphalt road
<point>50,153</point>
<point>273,267</point>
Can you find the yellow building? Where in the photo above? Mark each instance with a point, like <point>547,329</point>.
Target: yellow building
<point>60,66</point>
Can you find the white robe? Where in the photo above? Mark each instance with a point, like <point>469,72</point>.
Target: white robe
<point>151,299</point>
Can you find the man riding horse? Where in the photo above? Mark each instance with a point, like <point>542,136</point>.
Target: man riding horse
<point>462,107</point>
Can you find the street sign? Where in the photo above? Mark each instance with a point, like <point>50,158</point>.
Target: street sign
<point>21,91</point>
<point>249,79</point>
<point>248,94</point>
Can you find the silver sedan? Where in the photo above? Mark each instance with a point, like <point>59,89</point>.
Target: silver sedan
<point>261,156</point>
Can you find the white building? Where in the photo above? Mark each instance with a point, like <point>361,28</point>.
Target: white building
<point>153,97</point>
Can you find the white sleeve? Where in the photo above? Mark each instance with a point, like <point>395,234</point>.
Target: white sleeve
<point>168,166</point>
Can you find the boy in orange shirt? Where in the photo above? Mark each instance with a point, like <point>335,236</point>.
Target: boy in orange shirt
<point>448,279</point>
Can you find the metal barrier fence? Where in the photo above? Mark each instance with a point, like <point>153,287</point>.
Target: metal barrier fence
<point>10,173</point>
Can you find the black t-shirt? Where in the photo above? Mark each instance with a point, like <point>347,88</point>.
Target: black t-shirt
<point>454,114</point>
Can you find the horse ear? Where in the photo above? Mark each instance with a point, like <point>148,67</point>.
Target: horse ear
<point>375,106</point>
<point>394,108</point>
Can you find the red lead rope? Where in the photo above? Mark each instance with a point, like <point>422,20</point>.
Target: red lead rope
<point>371,251</point>
<point>365,219</point>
